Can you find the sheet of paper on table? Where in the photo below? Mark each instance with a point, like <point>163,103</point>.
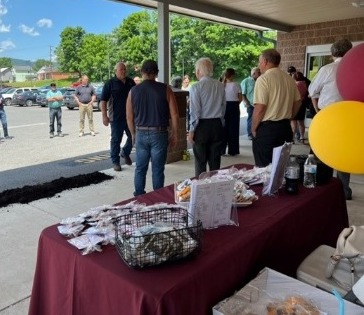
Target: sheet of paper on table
<point>279,162</point>
<point>211,202</point>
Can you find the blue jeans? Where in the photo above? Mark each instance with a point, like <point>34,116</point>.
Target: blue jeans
<point>117,131</point>
<point>55,113</point>
<point>249,110</point>
<point>150,145</point>
<point>4,122</point>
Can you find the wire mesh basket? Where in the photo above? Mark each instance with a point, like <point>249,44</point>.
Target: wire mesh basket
<point>153,237</point>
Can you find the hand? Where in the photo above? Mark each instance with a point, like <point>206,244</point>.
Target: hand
<point>105,120</point>
<point>254,133</point>
<point>190,137</point>
<point>172,140</point>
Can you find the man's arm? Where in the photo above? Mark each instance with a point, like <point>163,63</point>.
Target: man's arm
<point>195,112</point>
<point>105,118</point>
<point>314,101</point>
<point>173,110</point>
<point>93,97</point>
<point>243,93</point>
<point>245,100</point>
<point>258,114</point>
<point>130,117</point>
<point>103,104</point>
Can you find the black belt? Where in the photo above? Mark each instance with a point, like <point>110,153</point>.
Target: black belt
<point>209,119</point>
<point>151,128</point>
<point>267,122</point>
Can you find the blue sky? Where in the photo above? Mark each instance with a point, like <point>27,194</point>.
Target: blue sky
<point>30,29</point>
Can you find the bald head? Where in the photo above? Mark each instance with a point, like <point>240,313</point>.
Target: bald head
<point>120,70</point>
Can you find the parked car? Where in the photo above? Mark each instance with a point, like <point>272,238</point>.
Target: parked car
<point>8,96</point>
<point>42,99</point>
<point>5,89</point>
<point>27,98</point>
<point>98,96</point>
<point>70,103</point>
<point>68,99</point>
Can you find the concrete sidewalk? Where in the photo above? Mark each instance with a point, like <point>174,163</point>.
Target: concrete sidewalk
<point>21,225</point>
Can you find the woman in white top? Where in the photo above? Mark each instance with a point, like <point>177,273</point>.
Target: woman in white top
<point>232,114</point>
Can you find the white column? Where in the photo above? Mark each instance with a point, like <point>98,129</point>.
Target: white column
<point>163,43</point>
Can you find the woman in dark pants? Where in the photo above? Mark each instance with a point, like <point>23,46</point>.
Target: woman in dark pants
<point>232,114</point>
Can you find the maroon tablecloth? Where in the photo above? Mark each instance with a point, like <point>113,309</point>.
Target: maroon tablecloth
<point>277,232</point>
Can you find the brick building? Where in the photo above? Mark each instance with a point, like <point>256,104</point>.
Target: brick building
<point>305,42</point>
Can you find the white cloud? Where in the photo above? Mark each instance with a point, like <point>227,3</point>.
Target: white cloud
<point>4,28</point>
<point>6,45</point>
<point>45,23</point>
<point>3,9</point>
<point>28,30</point>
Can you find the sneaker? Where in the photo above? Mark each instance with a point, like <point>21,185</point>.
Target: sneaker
<point>92,134</point>
<point>117,167</point>
<point>60,134</point>
<point>80,134</point>
<point>51,135</point>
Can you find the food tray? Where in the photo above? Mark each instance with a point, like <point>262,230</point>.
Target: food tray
<point>140,242</point>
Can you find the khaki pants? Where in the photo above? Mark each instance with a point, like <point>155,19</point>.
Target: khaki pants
<point>86,109</point>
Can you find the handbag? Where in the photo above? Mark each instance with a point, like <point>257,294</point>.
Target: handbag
<point>346,265</point>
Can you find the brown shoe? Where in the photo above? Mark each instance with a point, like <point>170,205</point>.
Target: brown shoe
<point>117,167</point>
<point>128,160</point>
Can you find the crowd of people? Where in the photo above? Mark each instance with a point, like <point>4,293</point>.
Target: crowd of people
<point>145,110</point>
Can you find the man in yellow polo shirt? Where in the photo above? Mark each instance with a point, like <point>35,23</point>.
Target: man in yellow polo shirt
<point>276,101</point>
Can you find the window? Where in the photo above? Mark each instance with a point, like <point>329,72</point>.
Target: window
<point>318,56</point>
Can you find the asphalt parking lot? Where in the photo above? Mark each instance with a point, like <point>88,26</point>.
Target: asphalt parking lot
<point>31,157</point>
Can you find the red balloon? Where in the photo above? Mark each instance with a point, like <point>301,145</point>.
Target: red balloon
<point>350,75</point>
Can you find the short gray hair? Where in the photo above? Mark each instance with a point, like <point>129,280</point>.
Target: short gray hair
<point>272,55</point>
<point>255,69</point>
<point>341,47</point>
<point>205,66</point>
<point>119,64</point>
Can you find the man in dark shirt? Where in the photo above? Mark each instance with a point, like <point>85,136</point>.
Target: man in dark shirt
<point>149,107</point>
<point>113,108</point>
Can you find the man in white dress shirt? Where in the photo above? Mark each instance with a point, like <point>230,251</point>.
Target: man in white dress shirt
<point>323,91</point>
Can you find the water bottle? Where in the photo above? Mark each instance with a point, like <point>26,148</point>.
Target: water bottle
<point>292,176</point>
<point>310,169</point>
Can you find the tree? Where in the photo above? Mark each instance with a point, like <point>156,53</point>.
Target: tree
<point>39,63</point>
<point>227,46</point>
<point>5,62</point>
<point>68,52</point>
<point>135,40</point>
<point>94,60</point>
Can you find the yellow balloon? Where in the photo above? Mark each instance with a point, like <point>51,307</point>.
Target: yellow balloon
<point>336,136</point>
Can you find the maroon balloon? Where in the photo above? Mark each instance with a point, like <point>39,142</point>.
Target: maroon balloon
<point>350,75</point>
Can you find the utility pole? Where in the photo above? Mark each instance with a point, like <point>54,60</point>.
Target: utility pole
<point>50,60</point>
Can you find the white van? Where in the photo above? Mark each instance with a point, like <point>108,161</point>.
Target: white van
<point>9,94</point>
